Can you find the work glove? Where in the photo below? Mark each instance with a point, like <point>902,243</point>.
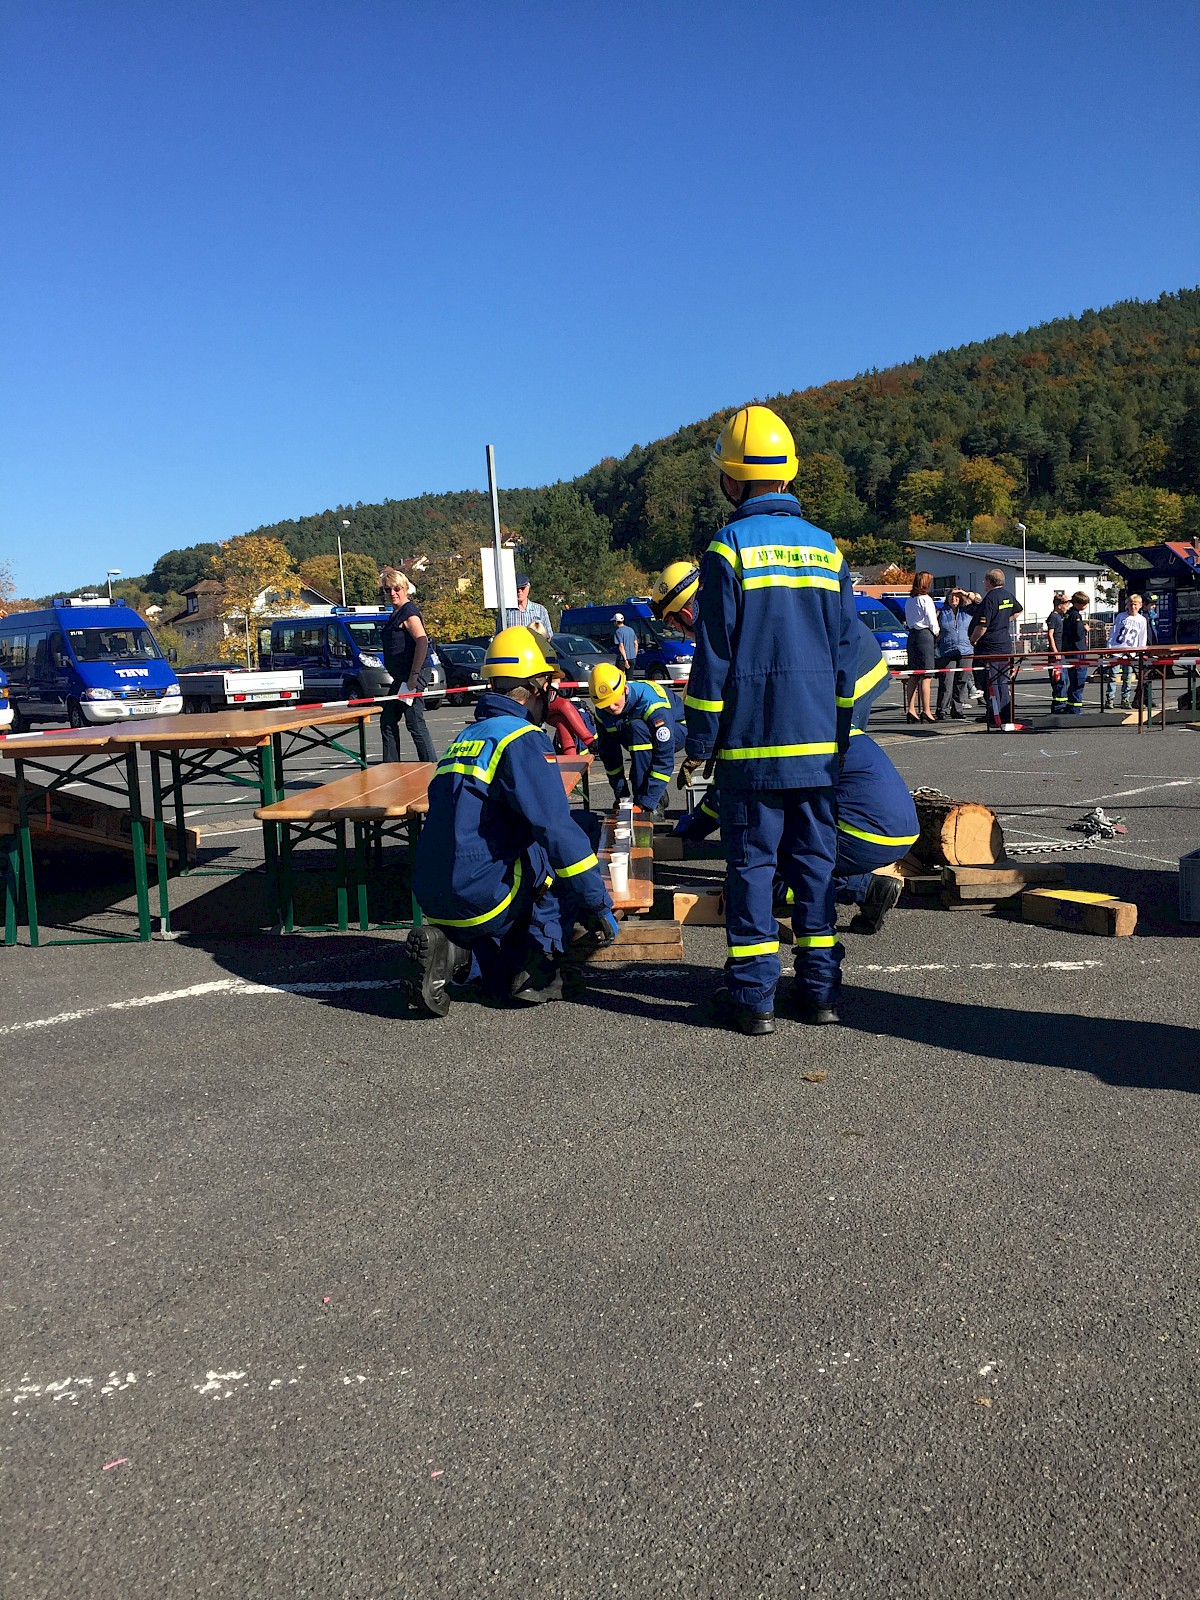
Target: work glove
<point>600,927</point>
<point>688,766</point>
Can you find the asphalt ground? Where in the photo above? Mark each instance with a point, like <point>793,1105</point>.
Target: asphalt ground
<point>304,1297</point>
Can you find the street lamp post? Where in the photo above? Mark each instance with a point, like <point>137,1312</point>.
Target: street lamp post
<point>113,572</point>
<point>341,568</point>
<point>1023,530</point>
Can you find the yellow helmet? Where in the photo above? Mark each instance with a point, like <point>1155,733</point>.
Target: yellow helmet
<point>674,589</point>
<point>756,446</point>
<point>606,683</point>
<point>520,654</point>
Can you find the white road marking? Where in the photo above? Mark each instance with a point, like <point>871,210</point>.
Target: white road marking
<point>979,966</point>
<point>220,833</point>
<point>1150,788</point>
<point>216,1385</point>
<point>1107,849</point>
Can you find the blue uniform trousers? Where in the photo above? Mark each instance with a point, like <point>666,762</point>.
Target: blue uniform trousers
<point>1059,681</point>
<point>1079,676</point>
<point>540,917</point>
<point>636,737</point>
<point>857,860</point>
<point>792,829</point>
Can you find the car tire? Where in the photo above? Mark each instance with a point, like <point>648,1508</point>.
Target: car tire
<point>75,714</point>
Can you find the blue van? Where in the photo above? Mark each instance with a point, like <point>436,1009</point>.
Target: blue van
<point>6,714</point>
<point>84,661</point>
<point>340,653</point>
<point>890,633</point>
<point>663,652</point>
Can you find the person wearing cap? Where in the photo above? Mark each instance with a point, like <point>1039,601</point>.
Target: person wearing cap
<point>527,613</point>
<point>768,705</point>
<point>502,871</point>
<point>625,642</point>
<point>647,720</point>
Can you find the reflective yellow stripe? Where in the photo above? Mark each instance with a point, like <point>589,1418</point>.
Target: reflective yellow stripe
<point>665,776</point>
<point>639,747</point>
<point>765,752</point>
<point>876,838</point>
<point>841,701</point>
<point>790,555</point>
<point>708,810</point>
<point>815,941</point>
<point>786,580</point>
<point>718,549</point>
<point>475,922</point>
<point>703,705</point>
<point>484,774</point>
<point>585,865</point>
<point>870,679</point>
<point>738,951</point>
<point>856,733</point>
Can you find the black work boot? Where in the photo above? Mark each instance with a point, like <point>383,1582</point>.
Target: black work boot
<point>733,1014</point>
<point>434,962</point>
<point>881,897</point>
<point>817,1013</point>
<point>538,981</point>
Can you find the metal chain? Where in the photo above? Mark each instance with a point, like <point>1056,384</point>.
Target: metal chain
<point>925,792</point>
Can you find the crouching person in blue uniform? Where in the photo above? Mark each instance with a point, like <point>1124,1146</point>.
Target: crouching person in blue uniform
<point>646,720</point>
<point>502,871</point>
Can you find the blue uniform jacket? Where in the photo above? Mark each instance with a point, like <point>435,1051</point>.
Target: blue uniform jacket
<point>772,681</point>
<point>661,714</point>
<point>493,795</point>
<point>874,806</point>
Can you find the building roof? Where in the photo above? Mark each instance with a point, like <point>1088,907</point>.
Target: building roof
<point>1006,555</point>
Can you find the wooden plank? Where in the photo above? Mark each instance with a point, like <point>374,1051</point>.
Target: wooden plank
<point>652,942</point>
<point>1006,872</point>
<point>705,909</point>
<point>668,847</point>
<point>1077,911</point>
<point>57,742</point>
<point>381,788</point>
<point>571,770</point>
<point>231,730</point>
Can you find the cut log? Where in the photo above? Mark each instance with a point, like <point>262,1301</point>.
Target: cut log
<point>957,833</point>
<point>1076,911</point>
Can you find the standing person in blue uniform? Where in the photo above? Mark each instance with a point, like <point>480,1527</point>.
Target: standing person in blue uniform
<point>643,718</point>
<point>876,817</point>
<point>502,870</point>
<point>1075,637</point>
<point>405,654</point>
<point>992,635</point>
<point>768,708</point>
<point>1059,675</point>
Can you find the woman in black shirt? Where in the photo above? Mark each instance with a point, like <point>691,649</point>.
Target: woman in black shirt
<point>405,653</point>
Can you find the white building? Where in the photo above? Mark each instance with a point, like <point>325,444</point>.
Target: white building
<point>962,566</point>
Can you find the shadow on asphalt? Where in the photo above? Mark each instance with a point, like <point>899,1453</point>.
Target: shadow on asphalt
<point>1145,1055</point>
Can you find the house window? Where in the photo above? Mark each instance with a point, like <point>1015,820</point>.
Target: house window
<point>193,604</point>
<point>943,586</point>
<point>1081,578</point>
<point>1041,577</point>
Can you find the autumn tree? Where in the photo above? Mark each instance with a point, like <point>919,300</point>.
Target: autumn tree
<point>1154,514</point>
<point>257,579</point>
<point>8,589</point>
<point>566,547</point>
<point>822,483</point>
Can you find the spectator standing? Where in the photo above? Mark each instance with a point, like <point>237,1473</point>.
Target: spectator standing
<point>1075,638</point>
<point>991,635</point>
<point>1129,632</point>
<point>921,619</point>
<point>625,642</point>
<point>1059,675</point>
<point>406,657</point>
<point>527,613</point>
<point>955,654</point>
<point>1118,670</point>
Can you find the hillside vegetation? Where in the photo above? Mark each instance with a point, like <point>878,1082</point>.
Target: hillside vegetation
<point>1088,428</point>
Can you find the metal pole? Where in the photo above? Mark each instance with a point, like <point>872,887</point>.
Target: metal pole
<point>491,470</point>
<point>341,568</point>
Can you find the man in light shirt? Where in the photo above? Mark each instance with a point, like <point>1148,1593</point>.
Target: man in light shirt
<point>1128,632</point>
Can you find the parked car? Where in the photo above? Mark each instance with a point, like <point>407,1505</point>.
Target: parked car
<point>462,662</point>
<point>577,656</point>
<point>890,633</point>
<point>340,654</point>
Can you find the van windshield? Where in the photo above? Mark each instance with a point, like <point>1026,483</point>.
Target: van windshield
<point>880,620</point>
<point>366,635</point>
<point>113,644</point>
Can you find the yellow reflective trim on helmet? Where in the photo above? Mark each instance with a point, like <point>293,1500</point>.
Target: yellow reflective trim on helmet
<point>738,952</point>
<point>814,941</point>
<point>585,865</point>
<point>703,705</point>
<point>877,838</point>
<point>787,581</point>
<point>764,752</point>
<point>484,774</point>
<point>716,548</point>
<point>791,555</point>
<point>475,922</point>
<point>870,679</point>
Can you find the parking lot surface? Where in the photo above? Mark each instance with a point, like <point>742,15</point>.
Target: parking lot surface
<point>304,1296</point>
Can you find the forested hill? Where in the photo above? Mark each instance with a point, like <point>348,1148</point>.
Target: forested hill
<point>1087,427</point>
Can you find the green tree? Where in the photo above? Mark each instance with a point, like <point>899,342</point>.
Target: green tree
<point>821,485</point>
<point>362,577</point>
<point>566,547</point>
<point>923,494</point>
<point>1153,514</point>
<point>981,488</point>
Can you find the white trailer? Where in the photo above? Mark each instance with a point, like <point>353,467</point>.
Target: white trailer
<point>231,688</point>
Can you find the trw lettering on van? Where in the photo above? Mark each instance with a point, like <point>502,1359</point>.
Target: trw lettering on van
<point>133,672</point>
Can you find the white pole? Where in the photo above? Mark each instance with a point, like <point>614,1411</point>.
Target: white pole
<point>341,568</point>
<point>491,470</point>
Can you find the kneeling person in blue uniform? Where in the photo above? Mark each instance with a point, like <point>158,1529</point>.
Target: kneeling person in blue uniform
<point>646,720</point>
<point>503,872</point>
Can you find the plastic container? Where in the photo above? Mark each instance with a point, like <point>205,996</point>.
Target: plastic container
<point>1189,887</point>
<point>618,872</point>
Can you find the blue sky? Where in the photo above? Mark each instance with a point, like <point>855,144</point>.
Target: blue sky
<point>263,258</point>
